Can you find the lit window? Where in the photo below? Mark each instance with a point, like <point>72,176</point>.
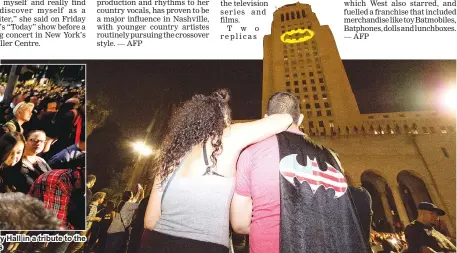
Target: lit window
<point>324,96</point>
<point>443,130</point>
<point>425,130</point>
<point>331,124</point>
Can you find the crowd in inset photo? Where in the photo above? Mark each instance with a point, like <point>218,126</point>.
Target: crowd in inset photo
<point>42,147</point>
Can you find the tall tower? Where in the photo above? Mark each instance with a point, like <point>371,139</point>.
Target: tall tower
<point>310,69</point>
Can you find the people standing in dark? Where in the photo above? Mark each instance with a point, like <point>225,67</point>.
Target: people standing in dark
<point>119,230</point>
<point>42,117</point>
<point>421,235</point>
<point>91,178</point>
<point>71,153</point>
<point>11,149</point>
<point>363,204</point>
<point>67,127</point>
<point>98,235</point>
<point>138,226</point>
<point>22,113</point>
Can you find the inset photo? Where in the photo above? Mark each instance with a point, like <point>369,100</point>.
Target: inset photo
<point>42,147</point>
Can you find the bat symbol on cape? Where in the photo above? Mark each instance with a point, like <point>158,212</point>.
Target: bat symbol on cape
<point>331,178</point>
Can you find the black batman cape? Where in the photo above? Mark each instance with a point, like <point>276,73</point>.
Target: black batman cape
<point>315,222</point>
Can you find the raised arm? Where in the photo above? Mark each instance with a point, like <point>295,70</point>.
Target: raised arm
<point>242,134</point>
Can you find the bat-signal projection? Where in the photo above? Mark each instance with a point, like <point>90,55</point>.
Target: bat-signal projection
<point>297,36</point>
<point>331,178</point>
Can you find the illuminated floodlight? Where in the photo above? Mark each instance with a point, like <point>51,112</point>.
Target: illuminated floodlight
<point>142,148</point>
<point>448,99</point>
<point>297,36</point>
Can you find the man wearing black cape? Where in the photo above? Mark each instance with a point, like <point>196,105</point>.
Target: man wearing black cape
<point>291,194</point>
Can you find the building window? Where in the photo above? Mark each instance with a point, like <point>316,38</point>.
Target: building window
<point>311,124</point>
<point>443,130</point>
<point>311,74</point>
<point>324,96</point>
<point>312,81</point>
<point>295,82</point>
<point>321,123</point>
<point>327,105</point>
<point>295,76</point>
<point>315,97</point>
<point>321,80</point>
<point>309,114</point>
<point>331,124</point>
<point>308,106</point>
<point>287,83</point>
<point>296,90</point>
<point>329,113</point>
<point>317,105</point>
<point>303,74</point>
<point>303,81</point>
<point>282,17</point>
<point>306,97</point>
<point>285,58</point>
<point>322,88</point>
<point>314,87</point>
<point>303,14</point>
<point>318,113</point>
<point>425,130</point>
<point>305,89</point>
<point>385,116</point>
<point>287,16</point>
<point>293,15</point>
<point>446,154</point>
<point>288,90</point>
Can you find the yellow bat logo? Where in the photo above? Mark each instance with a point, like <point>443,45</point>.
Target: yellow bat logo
<point>297,36</point>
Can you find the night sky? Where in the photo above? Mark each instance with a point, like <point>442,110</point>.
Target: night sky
<point>141,92</point>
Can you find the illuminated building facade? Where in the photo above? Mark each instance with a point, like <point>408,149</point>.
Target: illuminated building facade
<point>402,158</point>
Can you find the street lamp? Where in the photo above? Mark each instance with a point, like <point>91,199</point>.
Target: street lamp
<point>142,148</point>
<point>447,98</point>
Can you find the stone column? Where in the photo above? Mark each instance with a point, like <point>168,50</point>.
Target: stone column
<point>399,203</point>
<point>387,211</point>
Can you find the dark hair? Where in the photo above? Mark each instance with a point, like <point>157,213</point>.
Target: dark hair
<point>284,102</point>
<point>126,196</point>
<point>27,136</point>
<point>7,143</point>
<point>196,121</point>
<point>22,212</point>
<point>109,206</point>
<point>43,105</point>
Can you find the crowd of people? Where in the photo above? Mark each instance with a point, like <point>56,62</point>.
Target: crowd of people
<point>265,179</point>
<point>42,147</point>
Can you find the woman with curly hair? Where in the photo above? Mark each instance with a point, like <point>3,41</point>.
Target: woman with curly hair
<point>188,210</point>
